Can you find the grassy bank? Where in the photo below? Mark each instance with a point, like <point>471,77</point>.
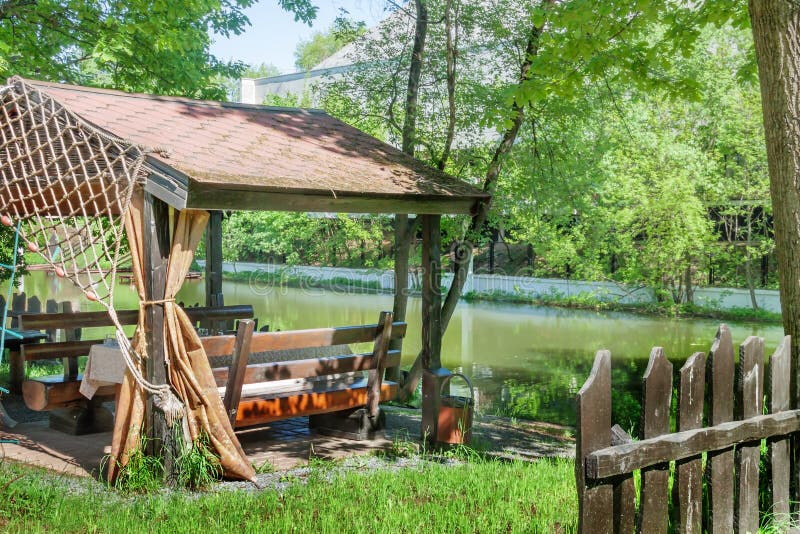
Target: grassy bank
<point>583,301</point>
<point>590,302</point>
<point>286,279</point>
<point>483,496</point>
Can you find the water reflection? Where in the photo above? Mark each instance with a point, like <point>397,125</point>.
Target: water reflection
<point>525,361</point>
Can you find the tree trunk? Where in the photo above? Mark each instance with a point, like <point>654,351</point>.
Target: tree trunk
<point>452,43</point>
<point>403,230</point>
<point>465,249</point>
<point>414,74</point>
<point>776,32</point>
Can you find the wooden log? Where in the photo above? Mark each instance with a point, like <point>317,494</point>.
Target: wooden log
<point>379,356</point>
<point>687,486</point>
<point>319,337</point>
<point>233,386</point>
<point>657,395</point>
<point>719,464</point>
<point>750,392</point>
<point>778,455</point>
<point>51,392</point>
<point>595,499</point>
<point>621,459</point>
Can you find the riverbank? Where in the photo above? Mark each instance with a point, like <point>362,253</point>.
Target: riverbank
<point>341,280</point>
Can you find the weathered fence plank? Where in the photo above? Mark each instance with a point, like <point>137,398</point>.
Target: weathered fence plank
<point>720,463</point>
<point>620,459</point>
<point>750,393</point>
<point>624,489</point>
<point>51,306</point>
<point>595,501</point>
<point>657,394</point>
<point>688,487</point>
<point>779,379</point>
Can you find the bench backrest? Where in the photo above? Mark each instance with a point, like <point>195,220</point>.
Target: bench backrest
<point>44,321</point>
<point>70,349</point>
<point>247,342</point>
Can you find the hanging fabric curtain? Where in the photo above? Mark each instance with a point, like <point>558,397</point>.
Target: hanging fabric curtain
<point>189,370</point>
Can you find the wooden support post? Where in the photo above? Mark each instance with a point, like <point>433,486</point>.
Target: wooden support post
<point>431,292</point>
<point>156,255</point>
<point>432,375</point>
<point>214,264</point>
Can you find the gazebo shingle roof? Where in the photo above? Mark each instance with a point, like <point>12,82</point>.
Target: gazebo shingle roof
<point>236,156</point>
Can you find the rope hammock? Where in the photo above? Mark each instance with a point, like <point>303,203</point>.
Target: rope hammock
<point>66,187</point>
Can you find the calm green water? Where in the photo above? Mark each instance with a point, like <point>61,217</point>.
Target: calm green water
<point>525,361</point>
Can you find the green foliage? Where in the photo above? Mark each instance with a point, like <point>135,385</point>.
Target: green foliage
<point>143,473</point>
<point>6,251</point>
<point>198,468</point>
<point>158,47</point>
<point>300,238</point>
<point>323,44</point>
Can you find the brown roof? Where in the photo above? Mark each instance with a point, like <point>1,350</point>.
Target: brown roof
<point>229,156</point>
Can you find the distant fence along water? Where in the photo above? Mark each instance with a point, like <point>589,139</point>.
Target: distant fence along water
<point>736,424</point>
<point>497,284</point>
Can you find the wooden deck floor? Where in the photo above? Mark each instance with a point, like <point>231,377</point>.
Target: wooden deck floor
<point>284,444</point>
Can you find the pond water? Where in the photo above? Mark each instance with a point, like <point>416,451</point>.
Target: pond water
<point>525,361</point>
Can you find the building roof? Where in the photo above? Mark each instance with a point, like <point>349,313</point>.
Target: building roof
<point>214,155</point>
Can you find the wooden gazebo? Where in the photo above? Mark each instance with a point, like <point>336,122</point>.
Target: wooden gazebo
<point>219,156</point>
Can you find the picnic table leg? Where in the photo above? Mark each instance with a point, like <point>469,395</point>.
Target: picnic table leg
<point>16,371</point>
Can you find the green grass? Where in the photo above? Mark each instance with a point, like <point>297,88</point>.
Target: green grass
<point>487,496</point>
<point>588,301</point>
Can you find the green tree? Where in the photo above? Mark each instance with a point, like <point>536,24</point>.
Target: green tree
<point>323,44</point>
<point>143,45</point>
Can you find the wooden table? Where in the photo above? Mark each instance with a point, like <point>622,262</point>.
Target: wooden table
<point>16,365</point>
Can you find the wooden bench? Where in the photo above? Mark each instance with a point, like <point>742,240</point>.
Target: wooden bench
<point>331,390</point>
<point>59,394</point>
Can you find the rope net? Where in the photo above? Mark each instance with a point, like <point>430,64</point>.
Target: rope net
<point>68,186</point>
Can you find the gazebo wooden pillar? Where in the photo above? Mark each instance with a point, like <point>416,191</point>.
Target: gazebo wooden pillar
<point>157,244</point>
<point>213,269</point>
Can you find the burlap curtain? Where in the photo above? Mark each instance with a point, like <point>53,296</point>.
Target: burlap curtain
<point>189,370</point>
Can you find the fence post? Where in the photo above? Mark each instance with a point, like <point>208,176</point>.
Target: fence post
<point>749,389</point>
<point>595,501</point>
<point>719,465</point>
<point>687,487</point>
<point>779,466</point>
<point>657,394</point>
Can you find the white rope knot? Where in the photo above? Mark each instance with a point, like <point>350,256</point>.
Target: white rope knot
<point>168,402</point>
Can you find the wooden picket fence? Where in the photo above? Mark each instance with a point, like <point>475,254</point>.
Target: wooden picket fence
<point>607,457</point>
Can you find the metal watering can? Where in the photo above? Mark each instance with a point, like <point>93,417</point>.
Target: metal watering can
<point>454,424</point>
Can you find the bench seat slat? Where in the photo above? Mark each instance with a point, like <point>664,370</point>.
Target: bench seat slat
<point>254,410</point>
